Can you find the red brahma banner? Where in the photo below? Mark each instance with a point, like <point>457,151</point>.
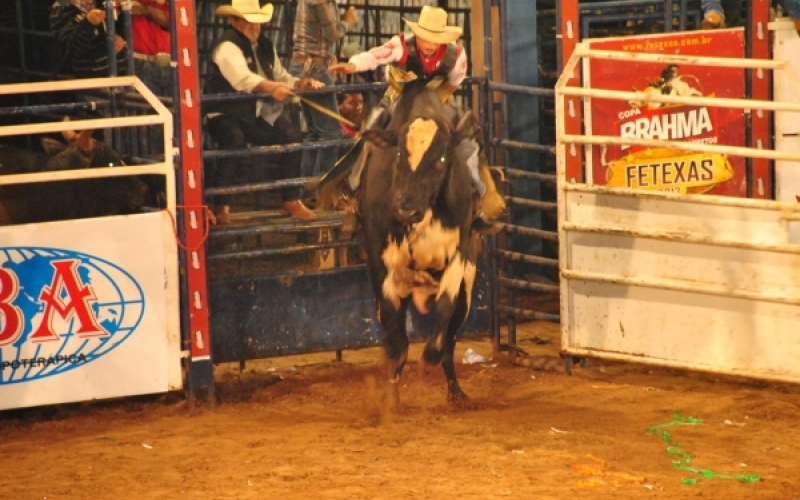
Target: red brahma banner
<point>669,169</point>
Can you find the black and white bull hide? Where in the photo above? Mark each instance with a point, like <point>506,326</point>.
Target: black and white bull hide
<point>63,200</point>
<point>416,216</point>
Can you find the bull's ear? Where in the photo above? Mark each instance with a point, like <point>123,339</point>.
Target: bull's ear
<point>381,138</point>
<point>52,146</point>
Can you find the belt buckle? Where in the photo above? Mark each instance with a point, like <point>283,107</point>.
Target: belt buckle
<point>162,59</point>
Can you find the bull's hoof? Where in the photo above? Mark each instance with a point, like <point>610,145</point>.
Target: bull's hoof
<point>457,396</point>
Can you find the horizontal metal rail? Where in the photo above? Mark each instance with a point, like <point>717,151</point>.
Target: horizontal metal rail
<point>85,173</point>
<point>724,102</point>
<point>528,231</point>
<point>525,174</point>
<point>290,250</point>
<point>519,89</point>
<point>259,186</point>
<point>279,149</point>
<point>535,204</point>
<point>527,146</point>
<point>528,314</point>
<point>289,274</point>
<point>685,146</point>
<point>679,237</point>
<point>527,285</point>
<point>219,232</point>
<point>680,286</point>
<point>582,51</point>
<point>702,199</point>
<point>528,259</point>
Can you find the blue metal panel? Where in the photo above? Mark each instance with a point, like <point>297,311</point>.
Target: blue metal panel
<point>265,316</point>
<point>520,48</point>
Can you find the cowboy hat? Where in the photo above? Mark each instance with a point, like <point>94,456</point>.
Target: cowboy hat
<point>432,26</point>
<point>249,10</point>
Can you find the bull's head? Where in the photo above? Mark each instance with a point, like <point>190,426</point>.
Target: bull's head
<point>424,149</point>
<point>80,151</point>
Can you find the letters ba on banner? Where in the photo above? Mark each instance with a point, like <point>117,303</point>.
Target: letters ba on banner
<point>661,169</point>
<point>84,311</point>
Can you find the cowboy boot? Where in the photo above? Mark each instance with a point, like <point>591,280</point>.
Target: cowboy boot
<point>492,203</point>
<point>712,20</point>
<point>298,210</point>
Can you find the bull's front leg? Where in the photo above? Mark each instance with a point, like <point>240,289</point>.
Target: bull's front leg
<point>440,347</point>
<point>452,306</point>
<point>395,343</point>
<point>454,392</point>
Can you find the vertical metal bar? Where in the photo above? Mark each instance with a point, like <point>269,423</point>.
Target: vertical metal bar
<point>569,35</point>
<point>488,119</point>
<point>111,34</point>
<point>131,143</point>
<point>667,16</point>
<point>683,14</point>
<point>22,55</point>
<point>757,43</point>
<point>127,23</point>
<point>192,219</point>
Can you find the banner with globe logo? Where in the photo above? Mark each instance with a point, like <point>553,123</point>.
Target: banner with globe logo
<point>78,325</point>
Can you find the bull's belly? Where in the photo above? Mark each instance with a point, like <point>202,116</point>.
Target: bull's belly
<point>426,262</point>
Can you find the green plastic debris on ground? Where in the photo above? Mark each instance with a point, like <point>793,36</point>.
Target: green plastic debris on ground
<point>684,459</point>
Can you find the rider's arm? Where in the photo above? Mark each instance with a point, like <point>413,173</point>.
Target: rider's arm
<point>455,77</point>
<point>392,51</point>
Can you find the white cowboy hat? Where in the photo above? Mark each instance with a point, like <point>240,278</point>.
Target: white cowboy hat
<point>432,26</point>
<point>249,10</point>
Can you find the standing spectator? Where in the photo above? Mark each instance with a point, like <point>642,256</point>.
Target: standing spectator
<point>81,37</point>
<point>152,50</point>
<point>317,28</point>
<point>245,61</point>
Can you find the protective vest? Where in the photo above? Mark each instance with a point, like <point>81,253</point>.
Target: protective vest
<point>217,84</point>
<point>411,68</point>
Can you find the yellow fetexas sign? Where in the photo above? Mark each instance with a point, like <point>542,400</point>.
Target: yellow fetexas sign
<point>670,170</point>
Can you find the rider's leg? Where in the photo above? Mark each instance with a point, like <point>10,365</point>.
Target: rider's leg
<point>492,203</point>
<point>378,120</point>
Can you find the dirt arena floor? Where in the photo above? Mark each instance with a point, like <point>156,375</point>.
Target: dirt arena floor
<point>308,427</point>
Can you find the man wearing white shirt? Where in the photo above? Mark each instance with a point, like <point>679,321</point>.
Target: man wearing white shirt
<point>244,61</point>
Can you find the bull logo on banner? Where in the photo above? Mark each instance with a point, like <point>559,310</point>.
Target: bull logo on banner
<point>60,310</point>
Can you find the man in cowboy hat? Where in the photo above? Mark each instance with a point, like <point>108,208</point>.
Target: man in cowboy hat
<point>430,54</point>
<point>245,61</point>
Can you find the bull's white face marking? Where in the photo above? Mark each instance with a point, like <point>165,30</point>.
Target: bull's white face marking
<point>429,246</point>
<point>419,139</point>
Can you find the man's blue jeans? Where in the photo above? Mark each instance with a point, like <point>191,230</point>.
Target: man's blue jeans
<point>159,79</point>
<point>320,126</point>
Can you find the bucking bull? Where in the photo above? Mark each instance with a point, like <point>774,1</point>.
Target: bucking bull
<point>416,214</point>
<point>63,200</point>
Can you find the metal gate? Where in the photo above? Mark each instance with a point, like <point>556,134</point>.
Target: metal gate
<point>686,281</point>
